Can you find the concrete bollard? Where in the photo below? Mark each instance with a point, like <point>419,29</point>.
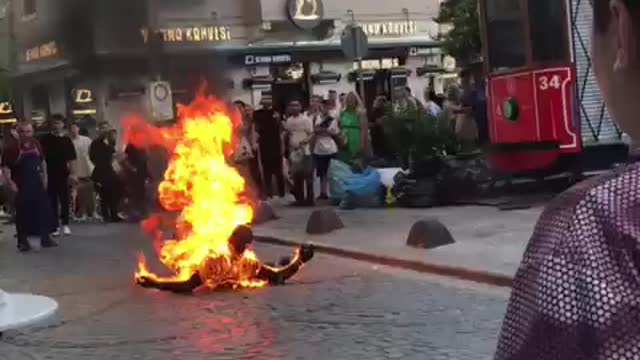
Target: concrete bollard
<point>429,234</point>
<point>323,222</point>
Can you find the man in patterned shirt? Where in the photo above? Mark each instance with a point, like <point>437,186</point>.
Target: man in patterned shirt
<point>577,292</point>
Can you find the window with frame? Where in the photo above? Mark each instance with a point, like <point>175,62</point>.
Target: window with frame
<point>548,27</point>
<point>505,34</point>
<point>28,7</point>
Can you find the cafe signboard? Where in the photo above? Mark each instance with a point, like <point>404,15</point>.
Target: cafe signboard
<point>42,51</point>
<point>389,28</point>
<point>191,34</point>
<point>305,14</point>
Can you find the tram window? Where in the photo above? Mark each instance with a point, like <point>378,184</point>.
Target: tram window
<point>547,25</point>
<point>505,32</point>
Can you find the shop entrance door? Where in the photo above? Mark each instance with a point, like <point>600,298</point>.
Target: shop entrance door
<point>40,108</point>
<point>286,91</point>
<point>375,86</point>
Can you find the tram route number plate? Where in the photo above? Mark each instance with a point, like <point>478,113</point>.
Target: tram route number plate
<point>549,82</point>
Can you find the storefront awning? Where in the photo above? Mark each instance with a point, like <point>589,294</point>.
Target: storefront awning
<point>334,43</point>
<point>53,67</point>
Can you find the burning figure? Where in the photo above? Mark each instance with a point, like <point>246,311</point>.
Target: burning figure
<point>210,247</point>
<point>239,269</point>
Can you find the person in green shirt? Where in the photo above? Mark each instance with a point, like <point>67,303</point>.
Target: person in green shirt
<point>355,129</point>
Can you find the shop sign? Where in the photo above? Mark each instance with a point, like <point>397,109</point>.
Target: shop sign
<point>84,102</point>
<point>425,51</point>
<point>82,96</point>
<point>161,101</point>
<point>388,29</point>
<point>191,34</point>
<point>449,63</point>
<point>267,59</point>
<point>377,64</point>
<point>6,113</point>
<point>305,14</point>
<point>6,108</point>
<point>42,51</point>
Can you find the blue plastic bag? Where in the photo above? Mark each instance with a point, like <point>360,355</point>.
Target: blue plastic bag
<point>363,190</point>
<point>339,173</point>
<point>367,183</point>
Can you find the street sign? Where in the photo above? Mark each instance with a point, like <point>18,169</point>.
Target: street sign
<point>161,101</point>
<point>267,59</point>
<point>354,42</point>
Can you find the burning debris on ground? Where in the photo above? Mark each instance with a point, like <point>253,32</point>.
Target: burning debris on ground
<point>210,242</point>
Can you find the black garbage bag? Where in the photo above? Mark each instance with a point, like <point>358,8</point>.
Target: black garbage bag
<point>414,193</point>
<point>463,179</point>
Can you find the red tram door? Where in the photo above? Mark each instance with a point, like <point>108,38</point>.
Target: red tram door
<point>531,84</point>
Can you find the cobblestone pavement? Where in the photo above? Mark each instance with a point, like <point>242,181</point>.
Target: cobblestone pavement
<point>334,309</point>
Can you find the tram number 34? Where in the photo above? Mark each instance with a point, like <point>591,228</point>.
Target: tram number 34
<point>546,82</point>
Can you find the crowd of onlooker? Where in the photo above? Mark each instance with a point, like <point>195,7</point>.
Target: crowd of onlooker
<point>296,145</point>
<point>55,178</point>
<point>64,175</point>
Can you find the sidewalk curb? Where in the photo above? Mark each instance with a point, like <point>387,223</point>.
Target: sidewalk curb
<point>478,276</point>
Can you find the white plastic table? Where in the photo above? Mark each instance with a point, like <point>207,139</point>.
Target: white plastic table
<point>21,310</point>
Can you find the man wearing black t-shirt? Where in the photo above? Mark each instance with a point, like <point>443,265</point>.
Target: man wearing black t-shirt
<point>59,153</point>
<point>269,128</point>
<point>102,153</point>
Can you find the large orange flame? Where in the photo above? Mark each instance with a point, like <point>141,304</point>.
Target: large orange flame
<point>207,192</point>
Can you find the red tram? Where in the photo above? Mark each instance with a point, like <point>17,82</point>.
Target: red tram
<point>544,105</point>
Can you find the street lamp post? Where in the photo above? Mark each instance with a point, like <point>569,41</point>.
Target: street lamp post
<point>359,59</point>
<point>154,41</point>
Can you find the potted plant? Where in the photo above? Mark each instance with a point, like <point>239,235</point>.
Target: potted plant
<point>419,141</point>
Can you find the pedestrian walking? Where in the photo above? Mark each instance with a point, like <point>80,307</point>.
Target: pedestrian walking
<point>102,154</point>
<point>25,171</point>
<point>576,293</point>
<point>325,147</point>
<point>84,204</point>
<point>60,154</point>
<point>268,124</point>
<point>299,129</point>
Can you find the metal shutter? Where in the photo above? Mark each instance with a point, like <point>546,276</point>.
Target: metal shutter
<point>597,125</point>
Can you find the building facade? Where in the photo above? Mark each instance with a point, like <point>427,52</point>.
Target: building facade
<point>94,60</point>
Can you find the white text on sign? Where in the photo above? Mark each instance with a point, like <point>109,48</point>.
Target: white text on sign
<point>546,83</point>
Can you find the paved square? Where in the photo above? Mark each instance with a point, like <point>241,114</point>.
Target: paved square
<point>334,309</point>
